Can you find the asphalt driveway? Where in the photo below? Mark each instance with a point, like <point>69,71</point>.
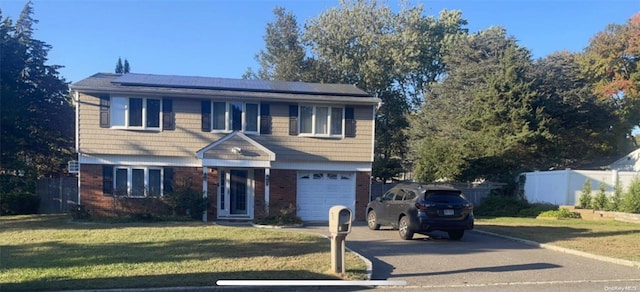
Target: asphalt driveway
<point>481,262</point>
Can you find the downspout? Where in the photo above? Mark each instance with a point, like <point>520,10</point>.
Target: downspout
<point>76,101</point>
<point>267,178</point>
<point>373,145</point>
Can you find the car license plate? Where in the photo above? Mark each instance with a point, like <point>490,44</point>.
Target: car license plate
<point>448,212</point>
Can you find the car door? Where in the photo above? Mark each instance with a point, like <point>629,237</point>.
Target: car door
<point>383,205</point>
<point>396,206</point>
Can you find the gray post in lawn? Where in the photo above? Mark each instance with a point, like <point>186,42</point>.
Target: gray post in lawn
<point>339,226</point>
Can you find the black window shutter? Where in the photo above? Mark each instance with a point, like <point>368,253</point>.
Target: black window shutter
<point>293,119</point>
<point>104,111</point>
<point>107,180</point>
<point>349,122</point>
<point>168,117</point>
<point>168,180</point>
<point>265,119</point>
<point>206,115</point>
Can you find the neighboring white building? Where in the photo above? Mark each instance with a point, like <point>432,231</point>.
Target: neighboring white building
<point>630,162</point>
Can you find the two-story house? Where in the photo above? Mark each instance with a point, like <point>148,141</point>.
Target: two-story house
<point>252,145</point>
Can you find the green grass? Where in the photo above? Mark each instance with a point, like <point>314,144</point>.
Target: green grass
<point>53,253</point>
<point>607,238</point>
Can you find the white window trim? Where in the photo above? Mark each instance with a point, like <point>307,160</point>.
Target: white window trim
<point>227,115</point>
<point>144,115</point>
<point>313,121</point>
<point>130,179</point>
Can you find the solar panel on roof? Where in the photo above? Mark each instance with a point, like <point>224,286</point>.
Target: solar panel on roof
<point>237,84</point>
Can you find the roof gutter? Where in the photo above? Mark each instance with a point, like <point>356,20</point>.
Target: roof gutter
<point>206,94</point>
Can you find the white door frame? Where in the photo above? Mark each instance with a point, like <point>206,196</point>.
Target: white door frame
<point>224,194</point>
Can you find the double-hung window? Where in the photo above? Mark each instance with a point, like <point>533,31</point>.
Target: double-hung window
<point>321,121</point>
<point>138,181</point>
<point>234,116</point>
<point>136,113</point>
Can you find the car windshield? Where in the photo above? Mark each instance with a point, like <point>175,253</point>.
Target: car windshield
<point>450,197</point>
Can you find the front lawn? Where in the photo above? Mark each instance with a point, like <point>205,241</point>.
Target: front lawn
<point>53,253</point>
<point>607,238</point>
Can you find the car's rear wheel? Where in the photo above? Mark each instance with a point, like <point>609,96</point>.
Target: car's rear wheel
<point>404,228</point>
<point>456,234</point>
<point>371,220</point>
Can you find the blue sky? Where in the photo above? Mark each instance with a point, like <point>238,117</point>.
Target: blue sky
<point>221,38</point>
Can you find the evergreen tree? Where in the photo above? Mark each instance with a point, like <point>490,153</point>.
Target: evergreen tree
<point>585,200</point>
<point>480,115</point>
<point>579,123</point>
<point>37,119</point>
<point>126,67</point>
<point>631,200</point>
<point>283,57</point>
<point>119,66</point>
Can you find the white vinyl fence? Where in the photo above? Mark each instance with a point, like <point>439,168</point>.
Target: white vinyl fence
<point>564,187</point>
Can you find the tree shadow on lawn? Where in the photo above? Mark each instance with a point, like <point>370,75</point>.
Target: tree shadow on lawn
<point>62,254</point>
<point>174,280</point>
<point>547,234</point>
<point>64,222</point>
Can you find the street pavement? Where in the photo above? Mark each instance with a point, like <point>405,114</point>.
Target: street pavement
<point>480,262</point>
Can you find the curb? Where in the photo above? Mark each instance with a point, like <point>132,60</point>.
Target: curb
<point>277,226</point>
<point>627,263</point>
<point>366,260</point>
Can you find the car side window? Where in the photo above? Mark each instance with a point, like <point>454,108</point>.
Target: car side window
<point>388,196</point>
<point>410,196</point>
<point>399,195</point>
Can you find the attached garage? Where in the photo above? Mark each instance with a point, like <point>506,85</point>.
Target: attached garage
<point>318,191</point>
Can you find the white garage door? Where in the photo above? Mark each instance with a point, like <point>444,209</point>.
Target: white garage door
<point>318,191</point>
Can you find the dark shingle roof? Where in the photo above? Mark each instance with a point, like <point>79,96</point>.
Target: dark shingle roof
<point>196,82</point>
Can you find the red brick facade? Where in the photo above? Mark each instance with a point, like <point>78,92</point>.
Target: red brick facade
<point>282,190</point>
<point>91,194</point>
<point>363,190</point>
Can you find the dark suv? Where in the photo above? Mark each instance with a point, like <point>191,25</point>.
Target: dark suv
<point>421,208</point>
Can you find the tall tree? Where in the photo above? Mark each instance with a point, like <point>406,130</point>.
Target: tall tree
<point>394,56</point>
<point>283,57</point>
<point>580,124</point>
<point>126,67</point>
<point>36,114</point>
<point>610,62</point>
<point>119,66</point>
<point>480,116</point>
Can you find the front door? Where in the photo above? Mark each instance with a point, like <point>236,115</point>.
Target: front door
<point>235,197</point>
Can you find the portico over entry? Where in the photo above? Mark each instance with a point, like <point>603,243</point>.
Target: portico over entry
<point>236,157</point>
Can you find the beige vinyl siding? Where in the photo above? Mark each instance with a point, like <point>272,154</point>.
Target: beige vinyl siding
<point>187,138</point>
<point>298,148</point>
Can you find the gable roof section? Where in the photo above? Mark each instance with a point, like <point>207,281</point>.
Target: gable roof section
<point>629,162</point>
<point>207,87</point>
<point>235,149</point>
